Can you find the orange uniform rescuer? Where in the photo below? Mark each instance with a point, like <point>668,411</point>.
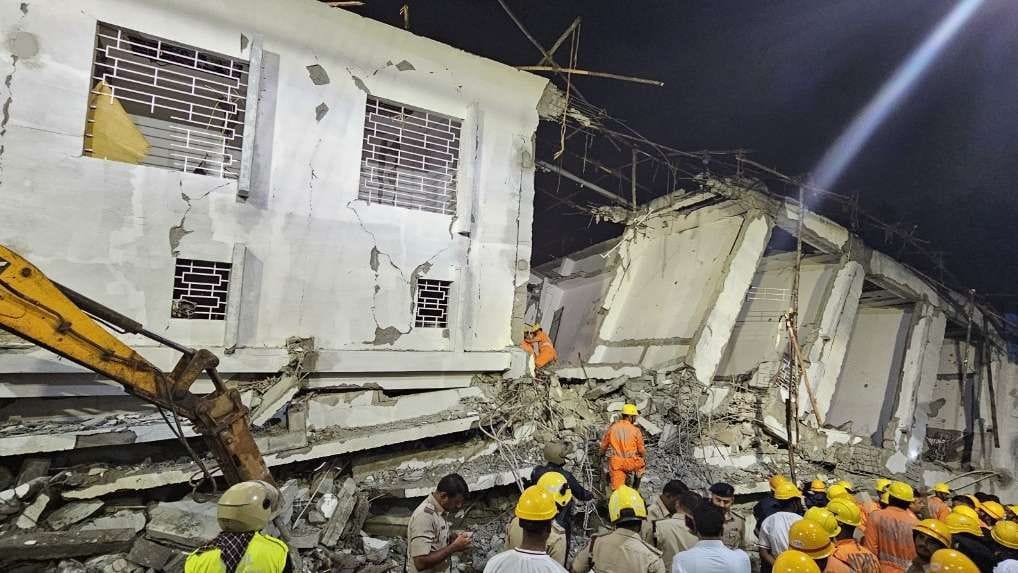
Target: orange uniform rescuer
<point>537,342</point>
<point>622,446</point>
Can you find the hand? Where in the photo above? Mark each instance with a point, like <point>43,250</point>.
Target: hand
<point>462,541</point>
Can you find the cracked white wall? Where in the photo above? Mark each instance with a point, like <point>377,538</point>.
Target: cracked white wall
<point>320,262</point>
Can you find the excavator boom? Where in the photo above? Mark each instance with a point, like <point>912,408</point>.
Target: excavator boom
<point>60,320</point>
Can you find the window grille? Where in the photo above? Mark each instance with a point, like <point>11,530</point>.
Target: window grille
<point>188,103</point>
<point>431,307</point>
<point>410,157</point>
<point>200,289</point>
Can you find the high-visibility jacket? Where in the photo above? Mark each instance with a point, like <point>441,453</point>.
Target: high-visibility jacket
<point>889,536</point>
<point>544,353</point>
<point>863,515</point>
<point>850,557</point>
<point>938,508</point>
<point>265,554</point>
<point>623,440</point>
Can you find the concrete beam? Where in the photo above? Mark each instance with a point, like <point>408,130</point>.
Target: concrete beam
<point>714,333</point>
<point>371,408</point>
<point>919,373</point>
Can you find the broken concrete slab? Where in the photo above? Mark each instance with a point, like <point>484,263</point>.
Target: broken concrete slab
<point>123,519</point>
<point>184,523</point>
<point>60,544</point>
<point>605,388</point>
<point>32,468</point>
<point>305,537</point>
<point>650,427</point>
<point>72,513</point>
<point>365,409</point>
<point>346,503</point>
<point>392,524</point>
<point>598,372</point>
<point>29,517</point>
<point>376,550</point>
<point>113,563</point>
<point>150,554</point>
<point>274,399</point>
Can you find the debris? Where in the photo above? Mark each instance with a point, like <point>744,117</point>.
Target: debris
<point>605,388</point>
<point>114,563</point>
<point>646,424</point>
<point>46,545</point>
<point>123,519</point>
<point>29,518</point>
<point>72,513</point>
<point>151,554</point>
<point>33,468</point>
<point>275,399</point>
<point>376,550</point>
<point>184,523</point>
<point>347,501</point>
<point>318,75</point>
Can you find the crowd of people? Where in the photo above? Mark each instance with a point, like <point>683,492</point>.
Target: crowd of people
<point>807,528</point>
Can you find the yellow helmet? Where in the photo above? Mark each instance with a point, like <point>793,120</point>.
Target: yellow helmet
<point>809,537</point>
<point>532,327</point>
<point>786,490</point>
<point>837,490</point>
<point>825,519</point>
<point>901,490</point>
<point>942,488</point>
<point>247,506</point>
<point>776,480</point>
<point>793,561</point>
<point>1006,534</point>
<point>557,486</point>
<point>959,522</point>
<point>818,486</point>
<point>882,484</point>
<point>846,484</point>
<point>846,511</point>
<point>1014,509</point>
<point>951,561</point>
<point>885,497</point>
<point>536,504</point>
<point>994,509</point>
<point>975,501</point>
<point>936,529</point>
<point>967,512</point>
<point>630,410</point>
<point>626,499</point>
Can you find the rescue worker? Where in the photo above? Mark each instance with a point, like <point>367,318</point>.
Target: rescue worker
<point>1005,539</point>
<point>723,495</point>
<point>889,530</point>
<point>873,504</point>
<point>428,540</point>
<point>963,500</point>
<point>991,512</point>
<point>929,536</point>
<point>676,532</point>
<point>811,538</point>
<point>622,446</point>
<point>710,554</point>
<point>843,490</point>
<point>535,516</point>
<point>663,507</point>
<point>537,343</point>
<point>849,555</point>
<point>792,561</point>
<point>973,514</point>
<point>951,561</point>
<point>769,504</point>
<point>555,457</point>
<point>622,550</point>
<point>556,486</point>
<point>243,511</point>
<point>938,501</point>
<point>772,539</point>
<point>967,537</point>
<point>817,494</point>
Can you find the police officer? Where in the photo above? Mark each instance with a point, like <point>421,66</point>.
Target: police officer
<point>429,545</point>
<point>243,511</point>
<point>622,550</point>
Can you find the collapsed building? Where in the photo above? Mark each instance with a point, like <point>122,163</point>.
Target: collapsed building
<point>346,222</point>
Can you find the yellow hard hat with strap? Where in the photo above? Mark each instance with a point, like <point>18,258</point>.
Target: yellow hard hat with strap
<point>786,490</point>
<point>846,511</point>
<point>958,522</point>
<point>793,561</point>
<point>942,488</point>
<point>901,490</point>
<point>818,486</point>
<point>967,512</point>
<point>847,485</point>
<point>882,484</point>
<point>557,486</point>
<point>1005,533</point>
<point>936,529</point>
<point>809,537</point>
<point>625,504</point>
<point>951,561</point>
<point>536,504</point>
<point>825,519</point>
<point>837,490</point>
<point>994,509</point>
<point>630,410</point>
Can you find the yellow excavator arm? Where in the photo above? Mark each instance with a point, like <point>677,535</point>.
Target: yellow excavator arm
<point>65,322</point>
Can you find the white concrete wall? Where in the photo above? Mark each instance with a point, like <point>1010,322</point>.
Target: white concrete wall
<point>871,370</point>
<point>102,227</point>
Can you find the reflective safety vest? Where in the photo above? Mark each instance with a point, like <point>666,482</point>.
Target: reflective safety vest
<point>265,554</point>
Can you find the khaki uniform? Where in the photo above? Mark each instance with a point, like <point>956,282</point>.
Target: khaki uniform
<point>734,533</point>
<point>621,551</point>
<point>427,531</point>
<point>555,546</point>
<point>672,536</point>
<point>655,513</point>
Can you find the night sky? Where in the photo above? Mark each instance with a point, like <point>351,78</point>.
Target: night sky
<point>782,78</point>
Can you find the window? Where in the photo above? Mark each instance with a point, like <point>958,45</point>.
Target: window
<point>168,104</point>
<point>200,289</point>
<point>410,157</point>
<point>431,305</point>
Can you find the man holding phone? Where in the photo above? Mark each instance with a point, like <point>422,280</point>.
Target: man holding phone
<point>428,541</point>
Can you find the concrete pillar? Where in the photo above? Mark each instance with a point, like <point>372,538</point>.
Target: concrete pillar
<point>918,373</point>
<point>714,334</point>
<point>827,353</point>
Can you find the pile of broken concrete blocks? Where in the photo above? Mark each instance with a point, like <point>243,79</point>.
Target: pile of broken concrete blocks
<point>321,519</point>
